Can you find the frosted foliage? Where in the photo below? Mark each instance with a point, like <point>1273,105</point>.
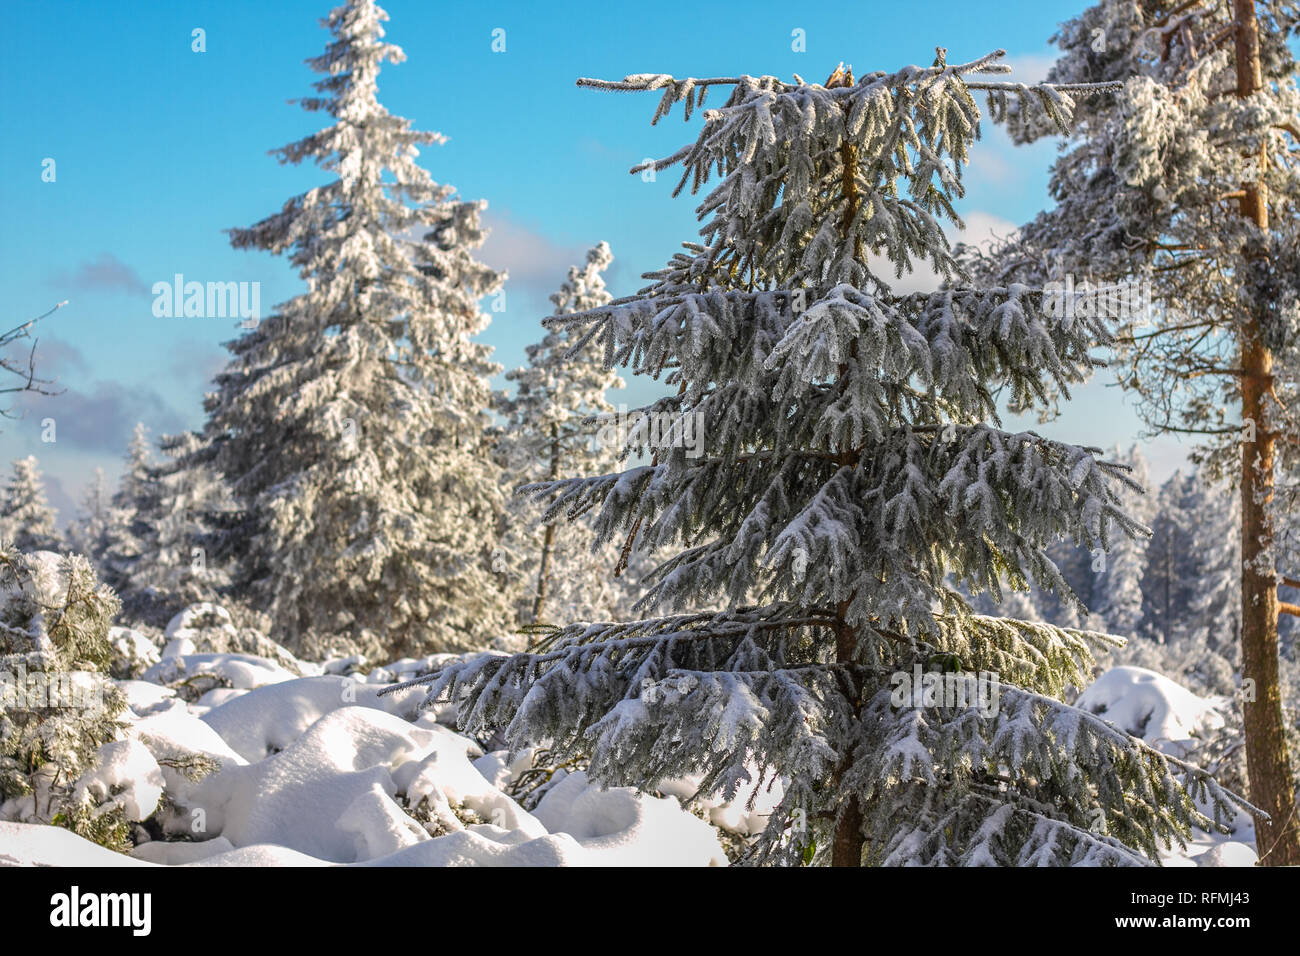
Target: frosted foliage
<point>1103,587</point>
<point>1118,586</point>
<point>854,476</point>
<point>1191,584</point>
<point>350,424</point>
<point>86,531</point>
<point>127,532</point>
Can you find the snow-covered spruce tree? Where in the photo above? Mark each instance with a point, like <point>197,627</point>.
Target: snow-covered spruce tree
<point>1187,180</point>
<point>1069,606</point>
<point>86,531</point>
<point>1191,597</point>
<point>26,518</point>
<point>1167,581</point>
<point>1117,588</point>
<point>1104,588</point>
<point>57,707</point>
<point>181,503</point>
<point>350,424</point>
<point>548,433</point>
<point>852,461</point>
<point>129,533</point>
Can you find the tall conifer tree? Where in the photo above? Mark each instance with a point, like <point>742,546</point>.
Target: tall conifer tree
<point>1186,183</point>
<point>350,424</point>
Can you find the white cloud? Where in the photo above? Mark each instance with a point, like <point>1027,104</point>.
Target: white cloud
<point>981,228</point>
<point>533,259</point>
<point>1030,67</point>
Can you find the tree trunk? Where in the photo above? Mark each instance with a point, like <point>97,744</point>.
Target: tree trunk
<point>847,843</point>
<point>1267,761</point>
<point>543,572</point>
<point>846,849</point>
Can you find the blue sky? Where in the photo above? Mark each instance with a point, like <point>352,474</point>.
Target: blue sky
<point>158,149</point>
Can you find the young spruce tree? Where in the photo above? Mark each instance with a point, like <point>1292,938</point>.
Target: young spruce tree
<point>853,461</point>
<point>86,531</point>
<point>57,705</point>
<point>1117,590</point>
<point>180,501</point>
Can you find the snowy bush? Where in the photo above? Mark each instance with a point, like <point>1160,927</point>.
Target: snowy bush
<point>207,628</point>
<point>57,709</point>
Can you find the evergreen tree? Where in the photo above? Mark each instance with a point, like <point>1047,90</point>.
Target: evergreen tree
<point>1216,592</point>
<point>129,532</point>
<point>86,532</point>
<point>1068,607</point>
<point>1191,594</point>
<point>852,461</point>
<point>351,423</point>
<point>1117,587</point>
<point>57,706</point>
<point>26,519</point>
<point>1185,183</point>
<point>549,433</point>
<point>179,504</point>
<point>1166,583</point>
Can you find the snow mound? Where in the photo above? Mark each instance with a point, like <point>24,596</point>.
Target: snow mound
<point>133,652</point>
<point>1228,853</point>
<point>208,629</point>
<point>746,813</point>
<point>1149,705</point>
<point>268,719</point>
<point>144,698</point>
<point>127,776</point>
<point>625,828</point>
<point>227,757</point>
<point>331,793</point>
<point>198,617</point>
<point>35,844</point>
<point>242,671</point>
<point>1168,716</point>
<point>349,789</point>
<point>180,853</point>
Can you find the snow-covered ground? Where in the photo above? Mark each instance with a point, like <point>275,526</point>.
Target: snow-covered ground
<point>284,762</point>
<point>319,769</point>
